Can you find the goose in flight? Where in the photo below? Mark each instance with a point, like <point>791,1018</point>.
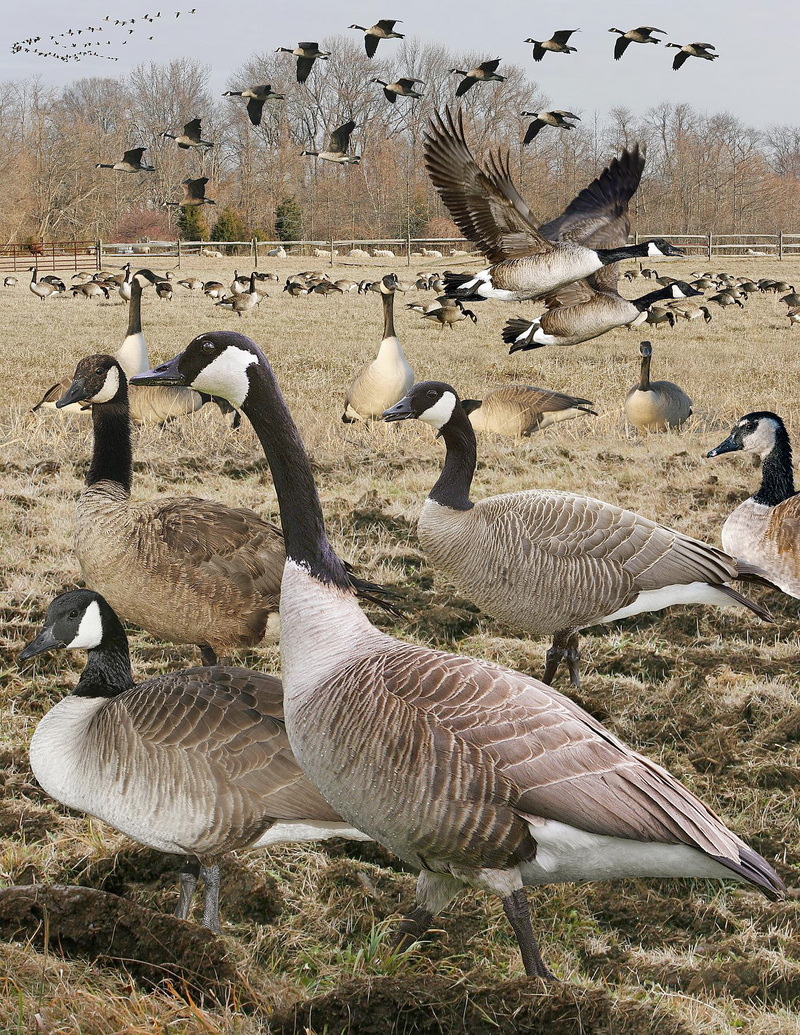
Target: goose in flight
<point>131,162</point>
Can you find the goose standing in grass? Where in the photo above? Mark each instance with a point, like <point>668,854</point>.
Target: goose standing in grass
<point>194,193</point>
<point>381,30</point>
<point>765,529</point>
<point>306,54</point>
<point>557,44</point>
<point>338,146</point>
<point>449,761</point>
<point>657,315</point>
<point>43,289</point>
<point>690,311</point>
<point>91,289</point>
<point>794,316</point>
<point>485,72</point>
<point>131,162</point>
<point>256,97</point>
<point>243,301</point>
<point>194,763</point>
<point>696,50</point>
<point>125,287</point>
<point>192,136</point>
<point>400,88</point>
<point>656,405</point>
<point>519,410</point>
<point>644,34</point>
<point>555,118</point>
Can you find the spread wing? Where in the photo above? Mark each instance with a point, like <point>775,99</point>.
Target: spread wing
<point>620,47</point>
<point>680,57</point>
<point>387,24</point>
<point>255,106</point>
<point>304,66</point>
<point>562,35</point>
<point>490,66</point>
<point>134,156</point>
<point>533,130</point>
<point>371,44</point>
<point>340,138</point>
<point>192,129</point>
<point>308,46</point>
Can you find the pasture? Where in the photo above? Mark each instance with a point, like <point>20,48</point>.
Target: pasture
<point>712,695</point>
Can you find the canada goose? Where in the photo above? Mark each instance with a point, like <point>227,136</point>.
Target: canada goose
<point>239,284</point>
<point>43,289</point>
<point>691,311</point>
<point>557,44</point>
<point>697,50</point>
<point>192,284</point>
<point>164,290</point>
<point>726,298</point>
<point>10,282</point>
<point>381,30</point>
<point>428,307</point>
<point>547,118</point>
<point>244,301</point>
<point>195,763</point>
<point>306,54</point>
<point>337,147</point>
<point>131,162</point>
<point>641,35</point>
<point>486,72</point>
<point>91,289</point>
<point>388,376</point>
<point>325,288</point>
<point>778,286</point>
<point>704,283</point>
<point>57,282</point>
<point>191,136</point>
<point>794,316</point>
<point>124,285</point>
<point>400,88</point>
<point>449,315</point>
<point>448,761</point>
<point>194,192</point>
<point>656,405</point>
<point>764,529</point>
<point>526,262</point>
<point>656,316</point>
<point>256,97</point>
<point>792,299</point>
<point>346,285</point>
<point>295,289</point>
<point>519,410</point>
<point>214,289</point>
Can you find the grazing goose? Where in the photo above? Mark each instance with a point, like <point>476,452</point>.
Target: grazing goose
<point>195,763</point>
<point>381,30</point>
<point>243,301</point>
<point>131,162</point>
<point>765,529</point>
<point>388,376</point>
<point>557,44</point>
<point>214,289</point>
<point>449,315</point>
<point>164,290</point>
<point>306,54</point>
<point>194,193</point>
<point>547,118</point>
<point>400,88</point>
<point>191,136</point>
<point>791,300</point>
<point>726,298</point>
<point>794,316</point>
<point>656,405</point>
<point>192,284</point>
<point>486,207</point>
<point>448,761</point>
<point>656,315</point>
<point>641,35</point>
<point>91,289</point>
<point>43,289</point>
<point>256,97</point>
<point>337,147</point>
<point>690,311</point>
<point>552,562</point>
<point>697,50</point>
<point>519,410</point>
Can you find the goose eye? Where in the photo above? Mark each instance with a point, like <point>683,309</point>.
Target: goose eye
<point>73,614</point>
<point>207,346</point>
<point>432,394</point>
<point>98,370</point>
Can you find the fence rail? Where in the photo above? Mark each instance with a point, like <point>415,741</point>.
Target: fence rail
<point>51,255</point>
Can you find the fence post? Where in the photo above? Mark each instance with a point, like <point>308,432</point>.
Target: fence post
<point>331,247</point>
<point>178,242</point>
<point>780,244</point>
<point>255,253</point>
<point>636,237</point>
<point>710,245</point>
<point>99,254</point>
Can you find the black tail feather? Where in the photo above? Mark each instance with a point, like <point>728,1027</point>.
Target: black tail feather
<point>454,286</point>
<point>514,328</point>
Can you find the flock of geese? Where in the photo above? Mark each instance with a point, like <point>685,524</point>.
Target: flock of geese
<point>475,775</point>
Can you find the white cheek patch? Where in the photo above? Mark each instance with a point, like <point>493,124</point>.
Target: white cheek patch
<point>676,292</point>
<point>441,412</point>
<point>762,440</point>
<point>653,250</point>
<point>110,387</point>
<point>227,375</point>
<point>90,631</point>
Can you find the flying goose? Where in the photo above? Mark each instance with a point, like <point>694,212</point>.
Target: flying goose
<point>697,50</point>
<point>388,376</point>
<point>448,761</point>
<point>43,289</point>
<point>306,54</point>
<point>195,763</point>
<point>131,162</point>
<point>547,118</point>
<point>644,34</point>
<point>400,88</point>
<point>765,529</point>
<point>557,44</point>
<point>519,410</point>
<point>256,97</point>
<point>553,563</point>
<point>485,72</point>
<point>337,147</point>
<point>191,136</point>
<point>526,262</point>
<point>381,30</point>
<point>194,193</point>
<point>656,405</point>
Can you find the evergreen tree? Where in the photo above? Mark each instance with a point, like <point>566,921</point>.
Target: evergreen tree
<point>229,226</point>
<point>289,220</point>
<point>192,225</point>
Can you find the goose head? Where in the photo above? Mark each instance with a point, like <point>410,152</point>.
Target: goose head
<point>645,349</point>
<point>217,363</point>
<point>97,379</point>
<point>74,621</point>
<point>680,289</point>
<point>658,247</point>
<point>756,432</point>
<point>388,284</point>
<point>433,402</point>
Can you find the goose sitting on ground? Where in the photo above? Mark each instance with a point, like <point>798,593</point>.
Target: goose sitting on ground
<point>306,54</point>
<point>195,763</point>
<point>557,44</point>
<point>555,118</point>
<point>519,410</point>
<point>696,50</point>
<point>475,775</point>
<point>765,529</point>
<point>381,30</point>
<point>256,97</point>
<point>485,72</point>
<point>655,405</point>
<point>553,563</point>
<point>131,162</point>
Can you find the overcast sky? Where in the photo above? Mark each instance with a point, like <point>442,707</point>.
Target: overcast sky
<point>755,78</point>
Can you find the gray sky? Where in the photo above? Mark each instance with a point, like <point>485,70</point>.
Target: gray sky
<point>757,43</point>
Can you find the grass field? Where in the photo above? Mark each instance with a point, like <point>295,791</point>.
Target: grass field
<point>710,694</point>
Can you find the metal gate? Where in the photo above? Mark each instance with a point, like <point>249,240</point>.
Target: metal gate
<point>50,255</point>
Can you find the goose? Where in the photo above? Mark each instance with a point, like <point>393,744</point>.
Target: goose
<point>519,410</point>
<point>485,72</point>
<point>91,289</point>
<point>726,298</point>
<point>124,286</point>
<point>388,376</point>
<point>656,316</point>
<point>131,162</point>
<point>429,307</point>
<point>195,763</point>
<point>449,315</point>
<point>381,30</point>
<point>191,136</point>
<point>526,262</point>
<point>557,44</point>
<point>57,282</point>
<point>214,289</point>
<point>43,289</point>
<point>655,405</point>
<point>325,288</point>
<point>337,147</point>
<point>691,311</point>
<point>765,529</point>
<point>644,34</point>
<point>306,54</point>
<point>794,316</point>
<point>555,118</point>
<point>194,193</point>
<point>346,285</point>
<point>239,284</point>
<point>192,284</point>
<point>10,282</point>
<point>697,50</point>
<point>791,299</point>
<point>400,88</point>
<point>244,301</point>
<point>256,97</point>
<point>164,290</point>
<point>295,289</point>
<point>448,761</point>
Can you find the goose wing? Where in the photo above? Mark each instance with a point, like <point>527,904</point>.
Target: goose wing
<point>532,400</point>
<point>304,66</point>
<point>680,58</point>
<point>192,129</point>
<point>407,83</point>
<point>485,205</point>
<point>371,44</point>
<point>134,156</point>
<point>340,138</point>
<point>196,188</point>
<point>311,46</point>
<point>255,106</point>
<point>562,35</point>
<point>490,66</point>
<point>386,24</point>
<point>466,83</point>
<point>533,129</point>
<point>620,47</point>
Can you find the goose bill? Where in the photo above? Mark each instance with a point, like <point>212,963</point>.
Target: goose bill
<point>43,643</point>
<point>400,411</point>
<point>76,393</point>
<point>167,374</point>
<point>730,445</point>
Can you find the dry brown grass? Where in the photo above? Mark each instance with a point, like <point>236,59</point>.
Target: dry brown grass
<point>710,694</point>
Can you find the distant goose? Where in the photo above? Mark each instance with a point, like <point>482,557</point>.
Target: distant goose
<point>306,54</point>
<point>792,299</point>
<point>337,147</point>
<point>382,30</point>
<point>131,162</point>
<point>520,410</point>
<point>256,97</point>
<point>400,88</point>
<point>214,289</point>
<point>43,289</point>
<point>57,282</point>
<point>726,298</point>
<point>691,311</point>
<point>557,44</point>
<point>91,289</point>
<point>794,316</point>
<point>486,72</point>
<point>191,136</point>
<point>195,763</point>
<point>243,301</point>
<point>656,315</point>
<point>192,284</point>
<point>239,284</point>
<point>644,34</point>
<point>697,50</point>
<point>547,118</point>
<point>449,315</point>
<point>125,285</point>
<point>164,290</point>
<point>656,405</point>
<point>10,282</point>
<point>194,191</point>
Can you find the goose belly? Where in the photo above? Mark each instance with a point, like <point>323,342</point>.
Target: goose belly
<point>576,324</point>
<point>755,532</point>
<point>534,276</point>
<point>651,411</point>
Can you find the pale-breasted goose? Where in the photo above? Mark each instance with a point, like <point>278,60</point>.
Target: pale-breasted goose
<point>243,301</point>
<point>388,376</point>
<point>126,284</point>
<point>690,311</point>
<point>91,289</point>
<point>658,315</point>
<point>485,72</point>
<point>555,118</point>
<point>256,97</point>
<point>697,50</point>
<point>194,763</point>
<point>306,54</point>
<point>449,315</point>
<point>194,193</point>
<point>131,162</point>
<point>43,289</point>
<point>519,410</point>
<point>643,34</point>
<point>794,316</point>
<point>449,761</point>
<point>192,136</point>
<point>487,208</point>
<point>337,147</point>
<point>381,30</point>
<point>557,44</point>
<point>550,562</point>
<point>403,87</point>
<point>656,405</point>
<point>765,529</point>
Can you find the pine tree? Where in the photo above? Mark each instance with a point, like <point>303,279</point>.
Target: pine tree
<point>229,226</point>
<point>289,220</point>
<point>192,225</point>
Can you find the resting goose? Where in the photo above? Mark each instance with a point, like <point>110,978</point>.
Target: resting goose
<point>557,44</point>
<point>765,529</point>
<point>448,761</point>
<point>306,54</point>
<point>194,763</point>
<point>519,410</point>
<point>656,405</point>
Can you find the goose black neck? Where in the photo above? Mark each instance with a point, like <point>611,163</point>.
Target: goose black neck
<point>108,667</point>
<point>301,513</point>
<point>388,314</point>
<point>135,309</point>
<point>644,374</point>
<point>777,478</point>
<point>452,488</point>
<point>653,296</point>
<point>608,255</point>
<point>112,457</point>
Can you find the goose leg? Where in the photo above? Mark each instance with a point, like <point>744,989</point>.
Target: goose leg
<point>516,909</point>
<point>412,928</point>
<point>434,892</point>
<point>209,656</point>
<point>565,646</point>
<point>211,882</point>
<point>188,876</point>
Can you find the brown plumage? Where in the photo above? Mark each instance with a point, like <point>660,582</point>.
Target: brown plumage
<point>655,405</point>
<point>519,410</point>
